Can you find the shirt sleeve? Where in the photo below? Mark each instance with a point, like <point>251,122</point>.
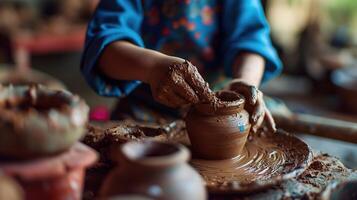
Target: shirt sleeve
<point>113,20</point>
<point>245,28</point>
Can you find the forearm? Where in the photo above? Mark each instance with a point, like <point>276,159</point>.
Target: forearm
<point>124,61</point>
<point>249,67</point>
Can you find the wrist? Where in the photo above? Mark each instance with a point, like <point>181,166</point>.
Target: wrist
<point>249,68</point>
<point>160,66</point>
<point>154,60</point>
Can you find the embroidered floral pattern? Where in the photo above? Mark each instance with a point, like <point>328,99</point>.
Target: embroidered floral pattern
<point>183,28</point>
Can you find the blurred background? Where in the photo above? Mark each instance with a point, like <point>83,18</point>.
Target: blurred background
<point>42,41</point>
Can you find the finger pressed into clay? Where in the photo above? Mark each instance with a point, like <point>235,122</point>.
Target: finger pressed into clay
<point>183,82</point>
<point>258,111</point>
<point>176,100</point>
<point>270,123</point>
<point>182,89</point>
<point>250,93</point>
<point>258,123</point>
<point>197,83</point>
<point>168,97</point>
<point>162,95</point>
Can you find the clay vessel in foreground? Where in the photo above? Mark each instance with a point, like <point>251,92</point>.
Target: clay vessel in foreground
<point>218,131</point>
<point>156,170</point>
<point>56,177</point>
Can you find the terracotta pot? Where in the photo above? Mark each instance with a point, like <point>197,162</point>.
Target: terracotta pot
<point>218,131</point>
<point>156,170</point>
<point>37,121</point>
<point>54,178</point>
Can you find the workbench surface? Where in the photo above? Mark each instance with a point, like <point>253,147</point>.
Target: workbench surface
<point>325,174</point>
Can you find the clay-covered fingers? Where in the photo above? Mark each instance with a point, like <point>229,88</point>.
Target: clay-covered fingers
<point>261,115</point>
<point>255,105</point>
<point>251,95</point>
<point>249,92</point>
<point>258,113</point>
<point>167,96</point>
<point>180,85</point>
<point>257,124</point>
<point>196,82</point>
<point>258,108</point>
<point>182,89</point>
<point>269,120</point>
<point>176,101</point>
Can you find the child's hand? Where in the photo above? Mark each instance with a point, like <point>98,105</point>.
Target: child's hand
<point>254,104</point>
<point>176,82</point>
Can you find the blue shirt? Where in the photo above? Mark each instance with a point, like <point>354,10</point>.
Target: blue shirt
<point>210,32</point>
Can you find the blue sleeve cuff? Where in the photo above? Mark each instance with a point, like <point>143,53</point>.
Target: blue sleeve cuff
<point>273,66</point>
<point>100,83</point>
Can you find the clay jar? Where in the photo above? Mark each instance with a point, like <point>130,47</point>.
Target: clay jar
<point>218,130</point>
<point>155,170</point>
<point>56,177</point>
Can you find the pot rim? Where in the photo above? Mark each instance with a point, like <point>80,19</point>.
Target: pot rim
<point>138,152</point>
<point>70,108</point>
<point>222,107</point>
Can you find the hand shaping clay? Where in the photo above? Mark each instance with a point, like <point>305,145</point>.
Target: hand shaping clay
<point>185,81</point>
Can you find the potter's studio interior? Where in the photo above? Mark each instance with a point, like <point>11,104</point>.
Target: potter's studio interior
<point>178,99</point>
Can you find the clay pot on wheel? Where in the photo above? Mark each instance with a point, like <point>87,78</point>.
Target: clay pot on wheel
<point>156,170</point>
<point>218,131</point>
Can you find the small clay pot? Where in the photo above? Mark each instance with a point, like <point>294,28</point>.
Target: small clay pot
<point>218,131</point>
<point>156,170</point>
<point>36,121</point>
<point>57,177</point>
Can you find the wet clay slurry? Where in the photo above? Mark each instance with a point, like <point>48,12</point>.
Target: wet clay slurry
<point>257,161</point>
<point>263,159</point>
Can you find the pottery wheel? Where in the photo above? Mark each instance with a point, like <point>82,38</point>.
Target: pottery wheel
<point>266,160</point>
